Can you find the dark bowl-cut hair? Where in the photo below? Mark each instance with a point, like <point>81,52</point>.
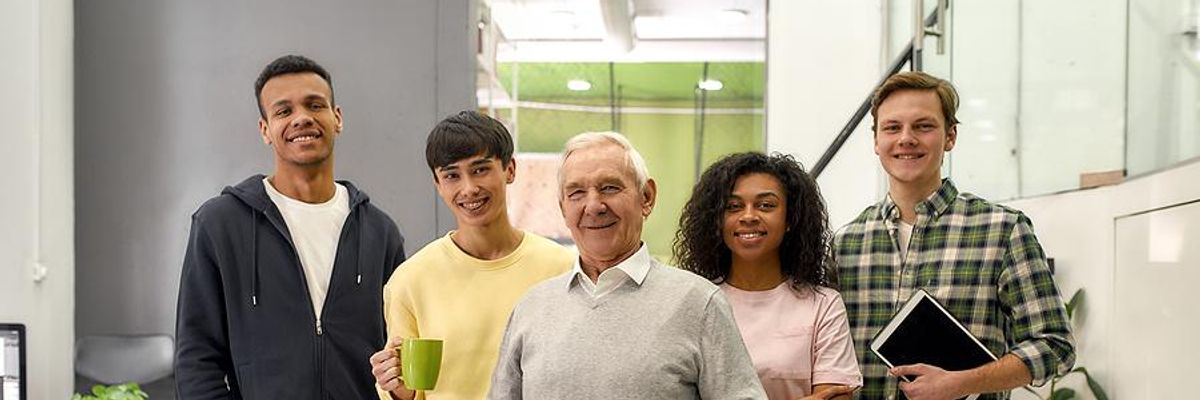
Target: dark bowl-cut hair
<point>289,64</point>
<point>804,254</point>
<point>466,134</point>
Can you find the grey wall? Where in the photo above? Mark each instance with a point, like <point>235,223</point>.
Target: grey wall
<point>166,117</point>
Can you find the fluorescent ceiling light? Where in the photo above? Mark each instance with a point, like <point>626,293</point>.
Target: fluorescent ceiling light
<point>579,85</point>
<point>733,15</point>
<point>711,84</point>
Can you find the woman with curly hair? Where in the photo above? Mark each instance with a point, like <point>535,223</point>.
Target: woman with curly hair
<point>756,225</point>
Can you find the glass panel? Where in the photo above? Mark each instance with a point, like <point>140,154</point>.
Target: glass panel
<point>1071,92</point>
<point>1164,104</point>
<point>984,160</point>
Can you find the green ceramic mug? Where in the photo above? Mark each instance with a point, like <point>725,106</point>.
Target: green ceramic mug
<point>421,360</point>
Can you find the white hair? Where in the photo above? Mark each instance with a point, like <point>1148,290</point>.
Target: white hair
<point>633,159</point>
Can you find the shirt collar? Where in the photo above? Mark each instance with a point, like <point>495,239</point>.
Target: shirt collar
<point>936,204</point>
<point>636,267</point>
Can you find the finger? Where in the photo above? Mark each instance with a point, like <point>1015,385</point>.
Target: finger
<point>395,341</point>
<point>914,369</point>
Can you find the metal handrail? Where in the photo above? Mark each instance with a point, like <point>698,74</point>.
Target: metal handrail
<point>897,64</point>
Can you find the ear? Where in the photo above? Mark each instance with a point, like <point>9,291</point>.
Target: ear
<point>510,171</point>
<point>649,195</point>
<point>951,137</point>
<point>337,115</point>
<point>262,131</point>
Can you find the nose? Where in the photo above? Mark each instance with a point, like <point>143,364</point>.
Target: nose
<point>748,215</point>
<point>594,205</point>
<point>470,185</point>
<point>303,119</point>
<point>907,137</point>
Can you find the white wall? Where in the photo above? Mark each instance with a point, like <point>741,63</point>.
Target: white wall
<point>823,59</point>
<point>36,105</point>
<point>1077,229</point>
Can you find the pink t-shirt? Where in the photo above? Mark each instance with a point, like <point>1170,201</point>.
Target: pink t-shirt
<point>795,338</point>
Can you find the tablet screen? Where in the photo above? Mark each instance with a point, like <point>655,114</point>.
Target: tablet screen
<point>924,332</point>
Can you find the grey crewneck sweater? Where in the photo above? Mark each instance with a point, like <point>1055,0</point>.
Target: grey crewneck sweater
<point>672,337</point>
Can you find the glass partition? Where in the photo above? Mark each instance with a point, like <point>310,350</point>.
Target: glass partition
<point>1052,92</point>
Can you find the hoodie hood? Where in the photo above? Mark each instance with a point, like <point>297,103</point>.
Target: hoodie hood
<point>252,192</point>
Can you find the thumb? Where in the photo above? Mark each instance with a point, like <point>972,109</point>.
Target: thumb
<point>913,370</point>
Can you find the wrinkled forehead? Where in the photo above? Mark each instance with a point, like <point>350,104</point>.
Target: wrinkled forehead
<point>597,162</point>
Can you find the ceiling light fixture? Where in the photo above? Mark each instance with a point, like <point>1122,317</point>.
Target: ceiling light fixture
<point>579,85</point>
<point>710,84</point>
<point>733,15</point>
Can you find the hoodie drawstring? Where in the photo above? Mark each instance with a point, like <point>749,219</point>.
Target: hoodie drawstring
<point>358,259</point>
<point>254,262</point>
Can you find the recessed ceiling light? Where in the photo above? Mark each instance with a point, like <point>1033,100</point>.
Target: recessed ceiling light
<point>733,15</point>
<point>711,84</point>
<point>579,85</point>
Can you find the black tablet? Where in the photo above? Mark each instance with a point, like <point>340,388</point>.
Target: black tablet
<point>924,332</point>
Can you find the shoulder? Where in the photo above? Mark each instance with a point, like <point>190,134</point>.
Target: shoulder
<point>546,249</point>
<point>684,283</point>
<point>859,224</point>
<point>979,211</point>
<point>219,207</point>
<point>432,254</point>
<point>547,293</point>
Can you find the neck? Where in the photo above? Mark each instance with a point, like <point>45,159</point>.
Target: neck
<point>310,185</point>
<point>489,242</point>
<point>755,275</point>
<point>908,195</point>
<point>592,267</point>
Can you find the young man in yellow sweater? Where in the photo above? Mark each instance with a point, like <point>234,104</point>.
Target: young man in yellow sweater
<point>462,287</point>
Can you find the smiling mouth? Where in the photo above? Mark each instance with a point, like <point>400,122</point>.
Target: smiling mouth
<point>908,156</point>
<point>749,235</point>
<point>306,137</point>
<point>474,205</point>
<point>598,227</point>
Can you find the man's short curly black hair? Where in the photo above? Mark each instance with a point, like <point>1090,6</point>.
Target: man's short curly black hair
<point>804,254</point>
<point>466,134</point>
<point>289,64</point>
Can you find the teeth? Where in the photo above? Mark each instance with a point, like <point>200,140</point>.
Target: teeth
<point>304,139</point>
<point>474,205</point>
<point>908,157</point>
<point>753,235</point>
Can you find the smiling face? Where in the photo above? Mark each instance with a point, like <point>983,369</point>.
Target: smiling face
<point>474,189</point>
<point>602,204</point>
<point>755,218</point>
<point>911,138</point>
<point>301,121</point>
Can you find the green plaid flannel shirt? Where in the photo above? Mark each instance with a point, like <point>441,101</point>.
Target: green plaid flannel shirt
<point>980,260</point>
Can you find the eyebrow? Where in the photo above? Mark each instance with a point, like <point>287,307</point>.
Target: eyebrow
<point>311,97</point>
<point>760,195</point>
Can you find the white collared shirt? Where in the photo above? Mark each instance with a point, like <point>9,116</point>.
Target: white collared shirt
<point>635,267</point>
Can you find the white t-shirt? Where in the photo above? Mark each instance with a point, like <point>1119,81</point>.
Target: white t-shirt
<point>315,230</point>
<point>905,234</point>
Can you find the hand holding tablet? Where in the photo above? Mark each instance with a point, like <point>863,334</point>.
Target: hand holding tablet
<point>923,332</point>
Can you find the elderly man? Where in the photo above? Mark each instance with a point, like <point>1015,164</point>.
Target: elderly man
<point>619,325</point>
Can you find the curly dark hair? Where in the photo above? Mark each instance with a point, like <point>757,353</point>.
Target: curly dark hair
<point>804,254</point>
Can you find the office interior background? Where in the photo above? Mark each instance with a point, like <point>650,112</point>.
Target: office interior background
<point>123,116</point>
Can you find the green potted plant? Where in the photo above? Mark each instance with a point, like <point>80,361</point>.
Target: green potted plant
<point>1057,393</point>
<point>126,391</point>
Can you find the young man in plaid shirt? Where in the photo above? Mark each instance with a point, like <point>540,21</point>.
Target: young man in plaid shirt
<point>981,260</point>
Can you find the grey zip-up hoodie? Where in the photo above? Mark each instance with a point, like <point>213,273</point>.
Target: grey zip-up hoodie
<point>245,325</point>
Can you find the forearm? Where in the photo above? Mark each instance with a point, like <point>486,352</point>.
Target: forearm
<point>1007,373</point>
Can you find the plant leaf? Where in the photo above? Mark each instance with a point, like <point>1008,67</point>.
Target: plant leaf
<point>1076,299</point>
<point>1063,394</point>
<point>1097,390</point>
